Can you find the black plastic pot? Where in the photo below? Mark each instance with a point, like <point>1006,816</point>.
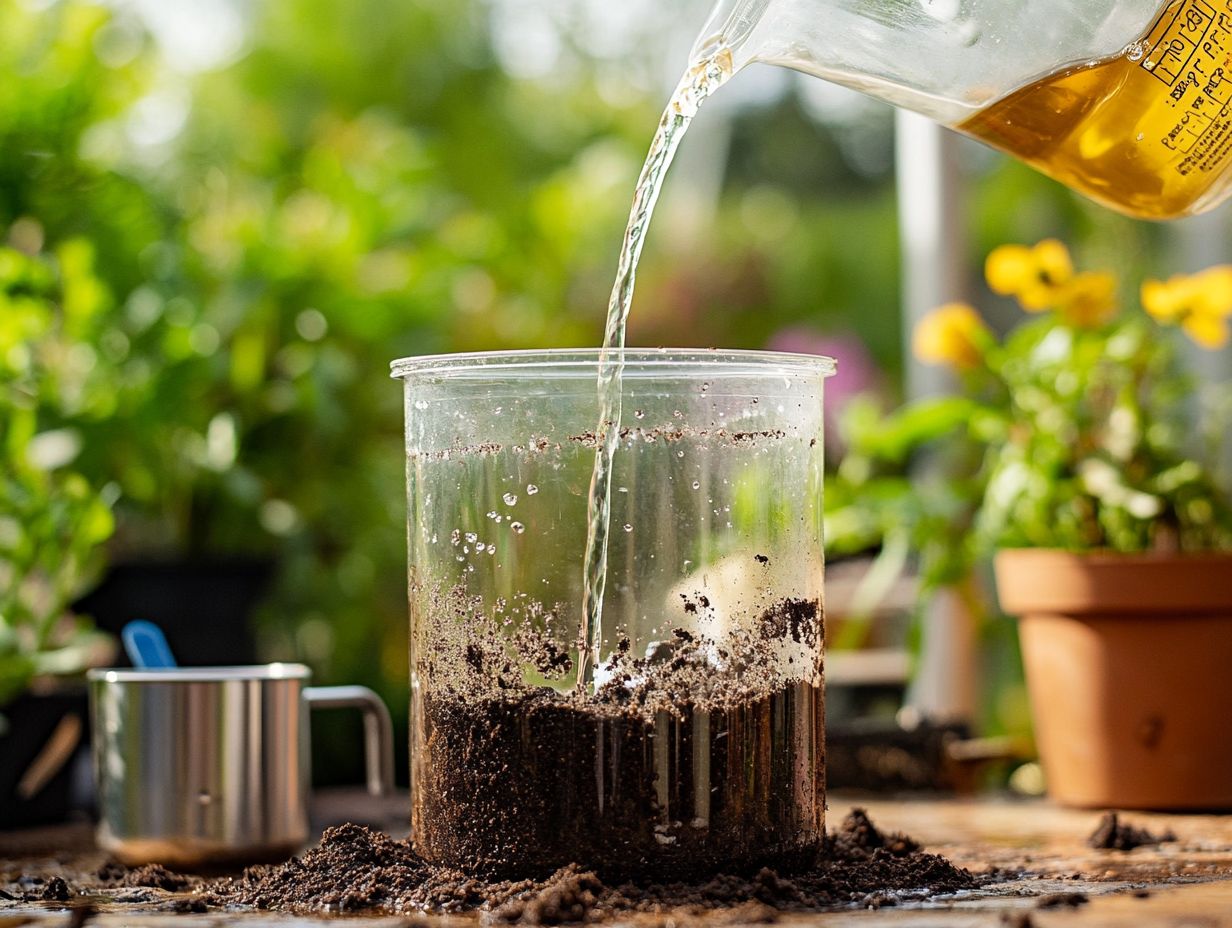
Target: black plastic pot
<point>204,607</point>
<point>40,749</point>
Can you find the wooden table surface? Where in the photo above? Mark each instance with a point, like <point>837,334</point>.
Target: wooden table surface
<point>1186,884</point>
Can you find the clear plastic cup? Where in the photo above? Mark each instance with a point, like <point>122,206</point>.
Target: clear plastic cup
<point>692,739</point>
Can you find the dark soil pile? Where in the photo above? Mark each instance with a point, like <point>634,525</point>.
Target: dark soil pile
<point>358,870</point>
<point>1113,835</point>
<point>154,876</point>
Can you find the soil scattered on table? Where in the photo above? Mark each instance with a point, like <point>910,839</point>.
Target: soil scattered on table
<point>1113,835</point>
<point>1017,920</point>
<point>355,869</point>
<point>55,890</point>
<point>155,876</point>
<point>111,882</point>
<point>1062,900</point>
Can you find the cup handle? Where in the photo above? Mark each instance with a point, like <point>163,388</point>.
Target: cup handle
<point>378,730</point>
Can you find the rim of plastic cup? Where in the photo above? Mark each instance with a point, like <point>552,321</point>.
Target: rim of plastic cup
<point>584,362</point>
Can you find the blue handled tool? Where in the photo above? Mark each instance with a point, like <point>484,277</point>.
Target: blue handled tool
<point>146,645</point>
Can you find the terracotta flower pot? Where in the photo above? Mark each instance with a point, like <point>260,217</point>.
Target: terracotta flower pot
<point>1129,667</point>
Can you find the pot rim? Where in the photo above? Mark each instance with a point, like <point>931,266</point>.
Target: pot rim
<point>1159,585</point>
<point>240,672</point>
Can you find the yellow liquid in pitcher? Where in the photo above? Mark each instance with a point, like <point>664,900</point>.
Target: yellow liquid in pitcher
<point>1147,133</point>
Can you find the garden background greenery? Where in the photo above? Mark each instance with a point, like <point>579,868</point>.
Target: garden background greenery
<point>205,273</point>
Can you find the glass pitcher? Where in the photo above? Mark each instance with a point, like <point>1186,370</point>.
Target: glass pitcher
<point>1127,101</point>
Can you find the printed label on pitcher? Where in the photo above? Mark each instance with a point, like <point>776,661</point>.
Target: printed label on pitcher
<point>1189,50</point>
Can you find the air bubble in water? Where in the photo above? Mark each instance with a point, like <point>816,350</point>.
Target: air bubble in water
<point>1134,51</point>
<point>697,485</point>
<point>480,547</point>
<point>421,405</point>
<point>639,414</point>
<point>680,454</point>
<point>531,489</point>
<point>472,537</point>
<point>510,499</point>
<point>517,527</point>
<point>628,527</point>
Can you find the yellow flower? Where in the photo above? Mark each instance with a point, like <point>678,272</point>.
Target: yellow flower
<point>952,334</point>
<point>1089,300</point>
<point>1200,303</point>
<point>1033,275</point>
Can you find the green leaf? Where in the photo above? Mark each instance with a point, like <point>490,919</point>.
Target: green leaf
<point>893,437</point>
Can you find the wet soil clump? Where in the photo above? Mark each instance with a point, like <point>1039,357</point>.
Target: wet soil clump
<point>1114,835</point>
<point>355,869</point>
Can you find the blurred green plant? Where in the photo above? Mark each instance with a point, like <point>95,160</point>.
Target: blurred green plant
<point>52,521</point>
<point>70,73</point>
<point>365,181</point>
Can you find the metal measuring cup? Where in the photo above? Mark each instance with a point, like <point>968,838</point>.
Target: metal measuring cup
<point>204,766</point>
